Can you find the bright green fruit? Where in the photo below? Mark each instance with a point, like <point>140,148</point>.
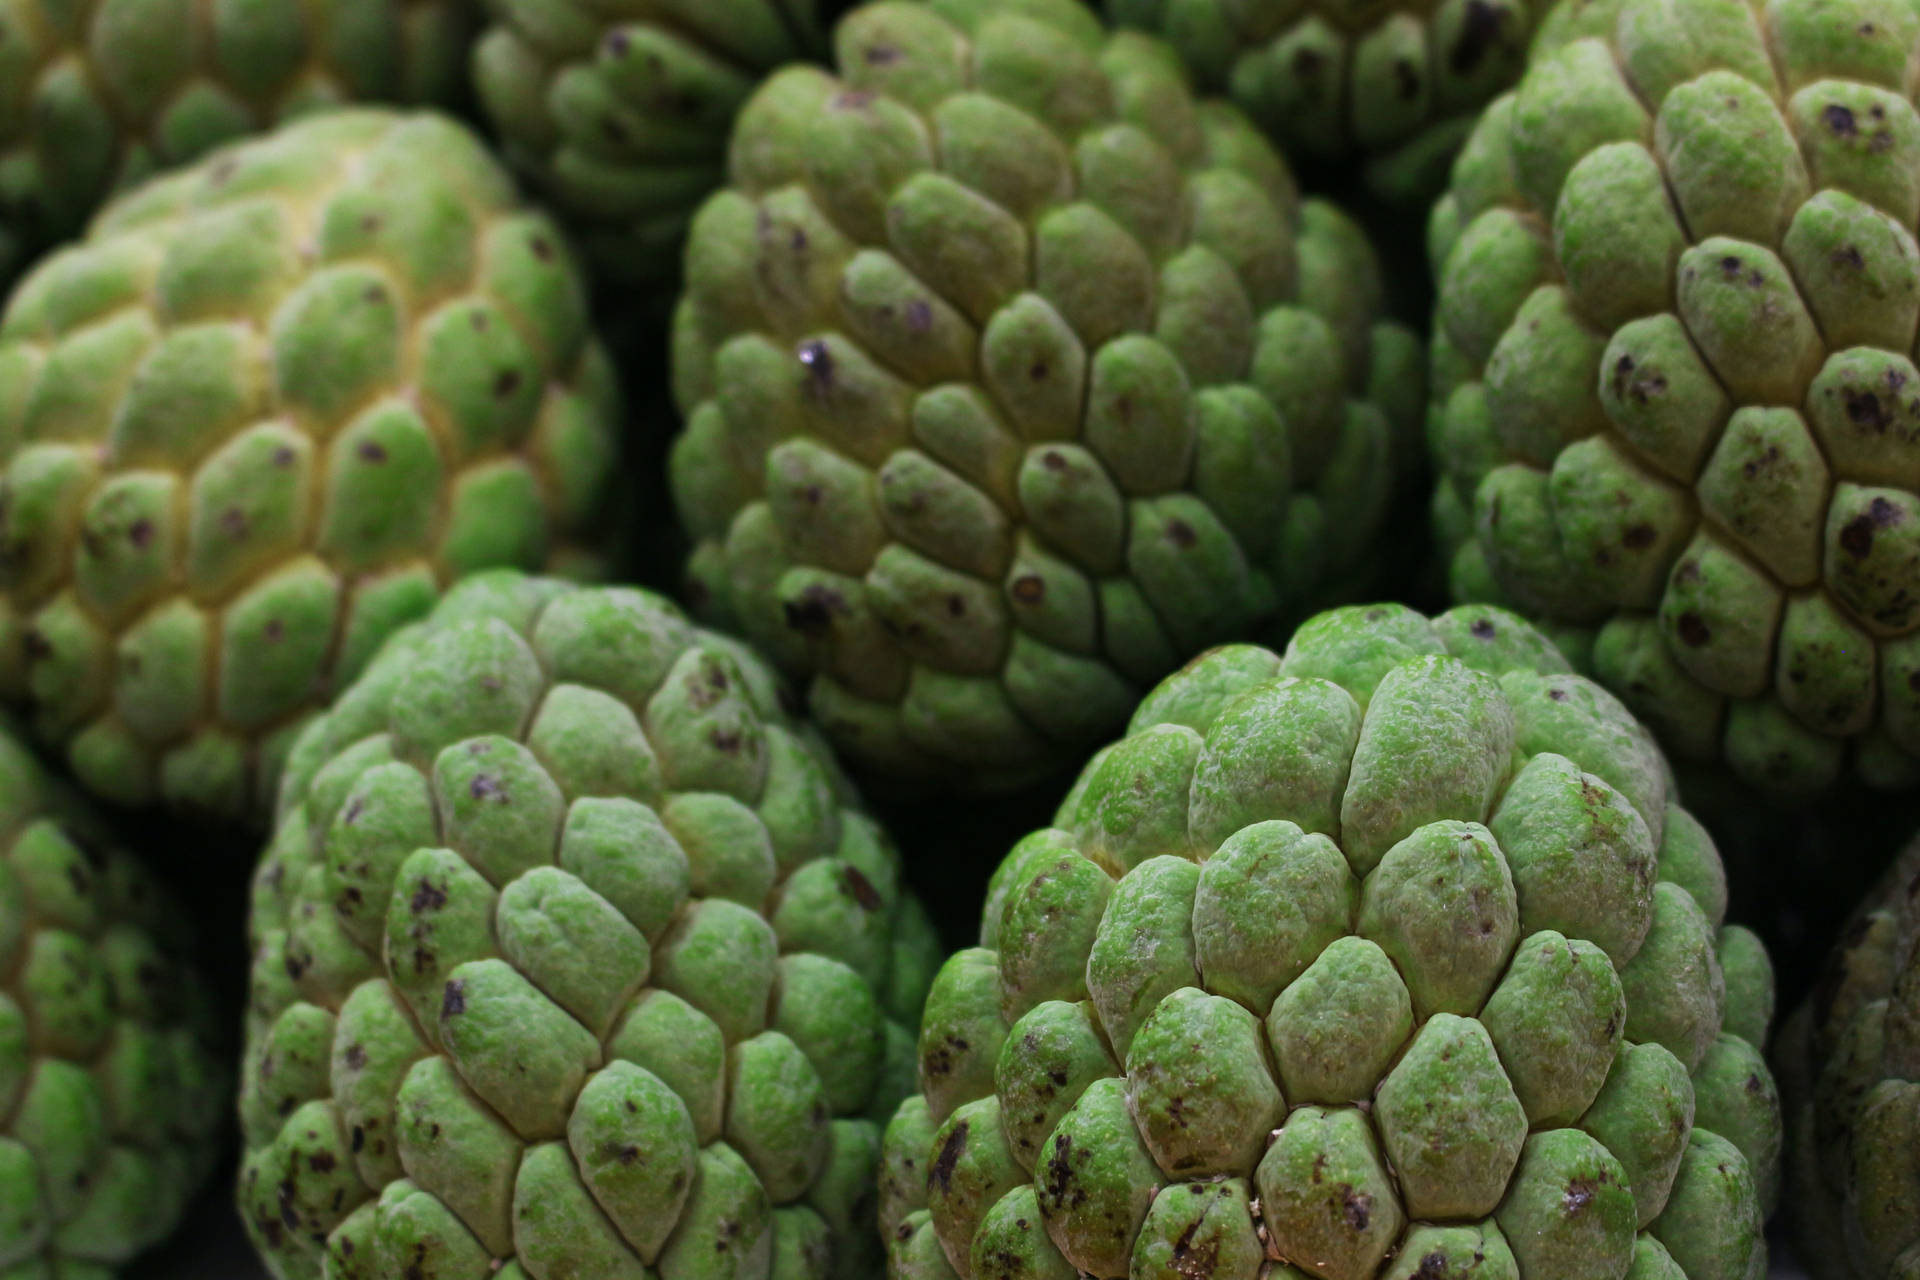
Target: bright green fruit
<point>1389,958</point>
<point>620,116</point>
<point>1395,84</point>
<point>1014,375</point>
<point>113,1089</point>
<point>1674,392</point>
<point>98,95</point>
<point>257,420</point>
<point>1851,1059</point>
<point>574,956</point>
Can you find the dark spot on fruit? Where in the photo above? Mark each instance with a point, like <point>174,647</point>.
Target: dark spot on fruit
<point>1865,410</point>
<point>454,1000</point>
<point>506,383</point>
<point>484,786</point>
<point>427,896</point>
<point>956,607</point>
<point>1483,628</point>
<point>1638,537</point>
<point>861,889</point>
<point>882,55</point>
<point>283,457</point>
<point>1358,1209</point>
<point>618,42</point>
<point>1839,120</point>
<point>321,1162</point>
<point>819,365</point>
<point>274,629</point>
<point>542,248</point>
<point>356,1057</point>
<point>1580,1193</point>
<point>1306,63</point>
<point>140,532</point>
<point>233,522</point>
<point>1849,257</point>
<point>1029,588</point>
<point>1693,629</point>
<point>1039,371</point>
<point>941,1174</point>
<point>1406,80</point>
<point>1181,534</point>
<point>1557,694</point>
<point>357,1139</point>
<point>371,451</point>
<point>919,316</point>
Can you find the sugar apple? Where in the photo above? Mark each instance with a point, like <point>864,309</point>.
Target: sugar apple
<point>1014,375</point>
<point>258,419</point>
<point>1391,958</point>
<point>97,95</point>
<point>1852,1072</point>
<point>620,116</point>
<point>113,1087</point>
<point>1673,378</point>
<point>574,956</point>
<point>1393,84</point>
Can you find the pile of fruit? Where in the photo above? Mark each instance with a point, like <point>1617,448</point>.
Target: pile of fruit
<point>960,639</point>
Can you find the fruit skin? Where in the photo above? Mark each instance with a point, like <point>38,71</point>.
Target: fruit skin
<point>983,449</point>
<point>113,1083</point>
<point>561,851</point>
<point>1403,926</point>
<point>1851,1074</point>
<point>1391,85</point>
<point>1678,290</point>
<point>99,96</point>
<point>621,121</point>
<point>258,419</point>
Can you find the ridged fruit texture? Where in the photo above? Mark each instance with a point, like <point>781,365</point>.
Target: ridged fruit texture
<point>100,94</point>
<point>1852,1057</point>
<point>1389,958</point>
<point>257,420</point>
<point>620,115</point>
<point>113,1085</point>
<point>1673,373</point>
<point>1014,375</point>
<point>1392,85</point>
<point>574,956</point>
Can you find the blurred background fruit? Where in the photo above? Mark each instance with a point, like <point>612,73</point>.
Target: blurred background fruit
<point>98,95</point>
<point>258,419</point>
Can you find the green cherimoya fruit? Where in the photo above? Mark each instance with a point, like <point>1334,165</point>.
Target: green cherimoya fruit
<point>1851,1067</point>
<point>258,419</point>
<point>620,116</point>
<point>1389,958</point>
<point>1674,392</point>
<point>113,1087</point>
<point>574,956</point>
<point>1015,375</point>
<point>99,95</point>
<point>1394,83</point>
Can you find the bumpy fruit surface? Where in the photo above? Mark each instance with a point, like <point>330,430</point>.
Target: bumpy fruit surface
<point>257,420</point>
<point>1675,397</point>
<point>1393,83</point>
<point>574,956</point>
<point>100,94</point>
<point>1014,375</point>
<point>1389,958</point>
<point>112,1085</point>
<point>620,116</point>
<point>1852,1063</point>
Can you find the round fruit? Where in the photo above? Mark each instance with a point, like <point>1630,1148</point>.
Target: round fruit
<point>1013,376</point>
<point>97,96</point>
<point>1674,379</point>
<point>113,1087</point>
<point>574,956</point>
<point>1395,84</point>
<point>1388,958</point>
<point>257,420</point>
<point>622,120</point>
<point>1853,1059</point>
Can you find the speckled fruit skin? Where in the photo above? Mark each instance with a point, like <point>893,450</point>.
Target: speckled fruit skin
<point>1392,85</point>
<point>113,1081</point>
<point>1013,376</point>
<point>574,956</point>
<point>620,117</point>
<point>1674,393</point>
<point>1390,958</point>
<point>1850,1071</point>
<point>258,419</point>
<point>98,95</point>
